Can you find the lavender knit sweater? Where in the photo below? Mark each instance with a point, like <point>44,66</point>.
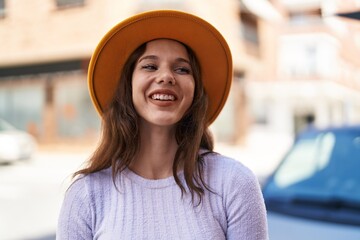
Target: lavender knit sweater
<point>154,209</point>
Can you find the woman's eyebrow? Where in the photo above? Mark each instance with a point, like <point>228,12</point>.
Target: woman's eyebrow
<point>151,57</point>
<point>183,60</point>
<point>154,57</point>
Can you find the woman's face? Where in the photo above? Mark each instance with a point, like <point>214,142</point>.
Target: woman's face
<point>163,83</point>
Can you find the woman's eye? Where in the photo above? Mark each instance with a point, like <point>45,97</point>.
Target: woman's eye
<point>183,70</point>
<point>149,67</point>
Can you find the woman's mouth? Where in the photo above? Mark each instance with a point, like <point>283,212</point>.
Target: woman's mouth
<point>163,97</point>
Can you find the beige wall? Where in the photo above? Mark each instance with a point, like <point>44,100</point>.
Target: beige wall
<point>36,31</point>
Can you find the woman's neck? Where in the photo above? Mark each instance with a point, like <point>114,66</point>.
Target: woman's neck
<point>156,154</point>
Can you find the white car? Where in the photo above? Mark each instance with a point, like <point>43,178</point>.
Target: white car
<point>15,144</point>
<point>314,194</point>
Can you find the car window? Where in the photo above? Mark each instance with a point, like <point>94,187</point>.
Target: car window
<point>321,165</point>
<point>306,158</point>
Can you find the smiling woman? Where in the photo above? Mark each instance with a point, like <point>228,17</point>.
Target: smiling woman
<point>162,83</point>
<point>155,174</point>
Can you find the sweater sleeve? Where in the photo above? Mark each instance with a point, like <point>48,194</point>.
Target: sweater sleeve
<point>244,204</point>
<point>75,215</point>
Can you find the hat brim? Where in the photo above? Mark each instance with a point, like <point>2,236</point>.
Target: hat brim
<point>117,45</point>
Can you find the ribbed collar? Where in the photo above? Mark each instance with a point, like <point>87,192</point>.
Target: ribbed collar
<point>152,183</point>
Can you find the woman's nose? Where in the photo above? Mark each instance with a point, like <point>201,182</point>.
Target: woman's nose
<point>166,76</point>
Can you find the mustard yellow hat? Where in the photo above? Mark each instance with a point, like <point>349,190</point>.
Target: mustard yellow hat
<point>116,46</point>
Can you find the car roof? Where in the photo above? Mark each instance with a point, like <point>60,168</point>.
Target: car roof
<point>342,128</point>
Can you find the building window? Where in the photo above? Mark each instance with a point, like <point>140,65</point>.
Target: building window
<point>305,17</point>
<point>69,3</point>
<point>2,8</point>
<point>249,27</point>
<point>250,32</point>
<point>260,109</point>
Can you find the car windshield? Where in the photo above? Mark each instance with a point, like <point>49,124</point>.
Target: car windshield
<point>5,126</point>
<point>322,168</point>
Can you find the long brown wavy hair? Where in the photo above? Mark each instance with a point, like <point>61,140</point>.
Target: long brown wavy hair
<point>120,139</point>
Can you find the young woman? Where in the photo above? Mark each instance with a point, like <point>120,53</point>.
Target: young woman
<point>158,80</point>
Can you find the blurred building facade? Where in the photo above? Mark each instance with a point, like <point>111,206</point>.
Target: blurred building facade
<point>46,46</point>
<point>317,73</point>
<point>292,65</point>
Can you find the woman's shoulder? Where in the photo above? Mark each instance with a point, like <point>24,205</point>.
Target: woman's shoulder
<point>101,175</point>
<point>240,193</point>
<point>88,190</point>
<point>217,163</point>
<point>86,184</point>
<point>224,173</point>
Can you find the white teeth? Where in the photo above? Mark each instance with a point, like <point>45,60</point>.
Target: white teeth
<point>163,97</point>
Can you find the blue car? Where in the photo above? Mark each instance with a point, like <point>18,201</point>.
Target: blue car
<point>315,191</point>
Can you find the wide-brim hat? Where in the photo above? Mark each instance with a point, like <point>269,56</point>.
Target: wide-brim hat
<point>116,46</point>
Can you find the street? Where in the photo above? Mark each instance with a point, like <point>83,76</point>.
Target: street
<point>31,192</point>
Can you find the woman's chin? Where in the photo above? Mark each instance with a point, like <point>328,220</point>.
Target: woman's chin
<point>162,122</point>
